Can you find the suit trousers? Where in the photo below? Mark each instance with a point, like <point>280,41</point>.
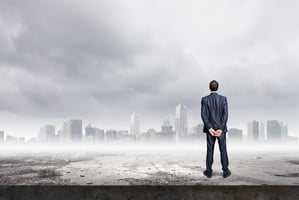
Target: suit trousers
<point>210,151</point>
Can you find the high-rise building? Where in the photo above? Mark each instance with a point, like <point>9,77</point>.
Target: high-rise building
<point>253,131</point>
<point>11,139</point>
<point>285,131</point>
<point>235,135</point>
<point>47,133</point>
<point>135,124</point>
<point>99,135</point>
<point>274,131</point>
<point>181,127</point>
<point>167,133</point>
<point>73,130</point>
<point>153,135</point>
<point>262,137</point>
<point>63,138</point>
<point>1,136</point>
<point>110,135</point>
<point>90,133</point>
<point>145,137</point>
<point>166,126</point>
<point>122,135</point>
<point>198,131</point>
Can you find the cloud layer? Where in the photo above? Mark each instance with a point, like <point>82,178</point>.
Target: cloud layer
<point>102,60</point>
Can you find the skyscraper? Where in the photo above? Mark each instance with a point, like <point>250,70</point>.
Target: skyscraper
<point>47,133</point>
<point>235,135</point>
<point>1,136</point>
<point>99,135</point>
<point>154,135</point>
<point>122,135</point>
<point>11,139</point>
<point>62,134</point>
<point>166,134</point>
<point>166,126</point>
<point>198,131</point>
<point>274,131</point>
<point>253,131</point>
<point>90,133</point>
<point>262,137</point>
<point>73,129</point>
<point>285,131</point>
<point>181,127</point>
<point>135,124</point>
<point>110,135</point>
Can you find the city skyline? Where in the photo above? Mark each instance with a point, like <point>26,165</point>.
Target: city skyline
<point>171,116</point>
<point>72,131</point>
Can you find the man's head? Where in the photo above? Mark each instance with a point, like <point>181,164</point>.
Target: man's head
<point>214,85</point>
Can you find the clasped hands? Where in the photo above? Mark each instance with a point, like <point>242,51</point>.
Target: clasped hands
<point>216,133</point>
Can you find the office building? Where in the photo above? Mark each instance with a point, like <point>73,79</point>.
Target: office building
<point>235,135</point>
<point>197,130</point>
<point>153,135</point>
<point>167,133</point>
<point>99,135</point>
<point>135,124</point>
<point>11,139</point>
<point>262,136</point>
<point>121,135</point>
<point>253,131</point>
<point>1,136</point>
<point>274,131</point>
<point>181,127</point>
<point>47,134</point>
<point>145,137</point>
<point>73,131</point>
<point>110,135</point>
<point>285,131</point>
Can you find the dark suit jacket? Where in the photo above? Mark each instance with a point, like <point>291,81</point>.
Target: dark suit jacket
<point>214,112</point>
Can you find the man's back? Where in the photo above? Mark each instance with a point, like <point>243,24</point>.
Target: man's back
<point>214,112</point>
<point>214,116</point>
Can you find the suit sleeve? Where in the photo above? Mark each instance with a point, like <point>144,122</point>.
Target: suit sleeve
<point>205,114</point>
<point>224,117</point>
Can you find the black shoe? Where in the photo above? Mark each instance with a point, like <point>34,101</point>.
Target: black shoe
<point>207,174</point>
<point>227,173</point>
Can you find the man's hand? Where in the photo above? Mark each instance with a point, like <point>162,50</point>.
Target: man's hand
<point>212,131</point>
<point>218,133</point>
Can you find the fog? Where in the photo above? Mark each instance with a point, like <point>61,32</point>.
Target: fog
<point>145,148</point>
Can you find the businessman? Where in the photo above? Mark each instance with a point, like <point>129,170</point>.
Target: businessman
<point>214,114</point>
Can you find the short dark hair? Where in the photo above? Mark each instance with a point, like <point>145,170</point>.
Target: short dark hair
<point>214,85</point>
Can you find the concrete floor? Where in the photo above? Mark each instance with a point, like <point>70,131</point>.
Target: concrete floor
<point>146,166</point>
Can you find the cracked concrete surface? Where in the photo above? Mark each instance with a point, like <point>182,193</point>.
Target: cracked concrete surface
<point>144,167</point>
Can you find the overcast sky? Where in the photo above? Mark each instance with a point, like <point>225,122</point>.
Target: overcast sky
<point>102,60</point>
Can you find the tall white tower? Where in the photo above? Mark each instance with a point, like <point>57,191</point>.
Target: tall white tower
<point>181,127</point>
<point>135,124</point>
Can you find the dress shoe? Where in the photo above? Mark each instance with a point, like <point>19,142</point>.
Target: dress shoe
<point>207,174</point>
<point>226,173</point>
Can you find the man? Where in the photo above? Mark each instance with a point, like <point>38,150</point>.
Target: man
<point>214,114</point>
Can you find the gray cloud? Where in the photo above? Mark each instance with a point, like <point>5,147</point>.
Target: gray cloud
<point>102,60</point>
